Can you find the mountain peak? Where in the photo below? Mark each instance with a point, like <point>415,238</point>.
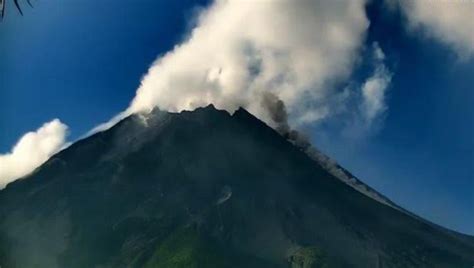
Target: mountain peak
<point>226,187</point>
<point>243,115</point>
<point>242,112</point>
<point>209,107</point>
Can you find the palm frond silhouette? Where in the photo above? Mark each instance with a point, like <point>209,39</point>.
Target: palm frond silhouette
<point>17,6</point>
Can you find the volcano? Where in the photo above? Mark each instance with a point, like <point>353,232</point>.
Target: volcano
<point>208,189</point>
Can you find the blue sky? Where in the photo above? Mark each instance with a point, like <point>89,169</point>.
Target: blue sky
<point>82,63</point>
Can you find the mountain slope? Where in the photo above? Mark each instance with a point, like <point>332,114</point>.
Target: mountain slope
<point>206,189</point>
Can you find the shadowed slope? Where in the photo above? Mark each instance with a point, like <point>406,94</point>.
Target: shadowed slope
<point>205,189</point>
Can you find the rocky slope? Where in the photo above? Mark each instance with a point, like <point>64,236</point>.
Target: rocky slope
<point>206,189</point>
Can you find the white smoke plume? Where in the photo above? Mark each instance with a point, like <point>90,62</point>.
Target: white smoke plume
<point>33,149</point>
<point>450,21</point>
<point>375,87</point>
<point>241,50</point>
<point>238,54</point>
<point>365,105</point>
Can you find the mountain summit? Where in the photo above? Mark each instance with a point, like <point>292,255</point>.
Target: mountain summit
<point>207,189</point>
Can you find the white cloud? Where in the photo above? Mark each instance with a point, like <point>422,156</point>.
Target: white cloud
<point>239,50</point>
<point>375,87</point>
<point>450,21</point>
<point>33,149</point>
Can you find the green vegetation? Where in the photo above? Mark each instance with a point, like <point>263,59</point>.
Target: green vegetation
<point>186,249</point>
<point>309,257</point>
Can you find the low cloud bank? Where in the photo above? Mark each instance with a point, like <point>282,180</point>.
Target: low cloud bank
<point>32,150</point>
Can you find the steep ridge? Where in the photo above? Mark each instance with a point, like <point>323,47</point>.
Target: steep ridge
<point>206,189</point>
